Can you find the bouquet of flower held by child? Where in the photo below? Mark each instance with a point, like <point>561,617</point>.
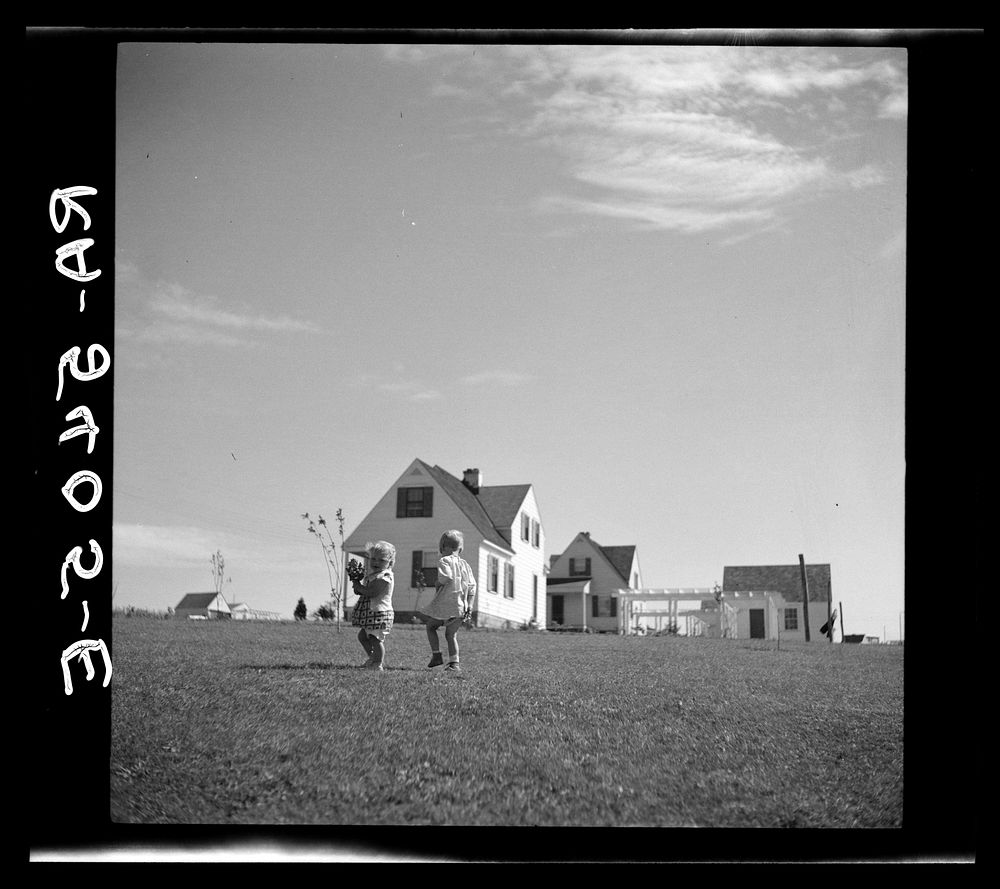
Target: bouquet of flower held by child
<point>355,570</point>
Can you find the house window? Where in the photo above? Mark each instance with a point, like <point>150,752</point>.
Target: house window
<point>508,580</point>
<point>791,618</point>
<point>595,609</point>
<point>579,567</point>
<point>534,596</point>
<point>492,571</point>
<point>613,607</point>
<point>525,526</point>
<point>414,502</point>
<point>536,533</point>
<point>425,572</point>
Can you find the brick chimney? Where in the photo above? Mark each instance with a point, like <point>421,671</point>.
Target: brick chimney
<point>473,480</point>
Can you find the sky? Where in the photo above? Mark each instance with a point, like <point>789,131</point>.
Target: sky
<point>663,284</point>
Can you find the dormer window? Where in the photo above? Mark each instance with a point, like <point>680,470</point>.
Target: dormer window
<point>579,567</point>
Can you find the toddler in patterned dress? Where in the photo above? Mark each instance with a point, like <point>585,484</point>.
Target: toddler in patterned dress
<point>373,614</point>
<point>452,602</point>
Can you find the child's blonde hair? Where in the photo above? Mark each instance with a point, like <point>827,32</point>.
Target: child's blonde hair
<point>382,550</point>
<point>453,541</point>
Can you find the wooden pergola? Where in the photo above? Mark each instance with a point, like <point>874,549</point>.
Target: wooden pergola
<point>631,600</point>
<point>628,599</point>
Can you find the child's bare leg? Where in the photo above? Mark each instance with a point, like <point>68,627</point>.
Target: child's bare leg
<point>432,637</point>
<point>451,637</point>
<point>432,634</point>
<point>365,644</point>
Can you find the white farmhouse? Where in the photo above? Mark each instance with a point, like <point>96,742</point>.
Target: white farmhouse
<point>583,583</point>
<point>504,542</point>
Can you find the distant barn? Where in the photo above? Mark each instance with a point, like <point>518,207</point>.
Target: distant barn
<point>203,606</point>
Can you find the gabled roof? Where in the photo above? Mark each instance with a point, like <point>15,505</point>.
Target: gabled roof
<point>474,506</point>
<point>621,558</point>
<point>502,502</point>
<point>197,600</point>
<point>784,579</point>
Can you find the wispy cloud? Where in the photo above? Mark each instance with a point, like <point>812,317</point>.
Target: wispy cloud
<point>498,377</point>
<point>152,546</point>
<point>895,246</point>
<point>864,176</point>
<point>166,312</point>
<point>414,390</point>
<point>681,138</point>
<point>166,333</point>
<point>895,106</point>
<point>178,304</point>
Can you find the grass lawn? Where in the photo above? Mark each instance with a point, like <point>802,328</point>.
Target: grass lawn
<point>275,723</point>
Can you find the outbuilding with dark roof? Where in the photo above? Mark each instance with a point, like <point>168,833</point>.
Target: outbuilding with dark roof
<point>203,606</point>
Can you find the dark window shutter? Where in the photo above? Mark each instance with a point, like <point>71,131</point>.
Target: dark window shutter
<point>400,503</point>
<point>418,565</point>
<point>586,569</point>
<point>428,501</point>
<point>594,607</point>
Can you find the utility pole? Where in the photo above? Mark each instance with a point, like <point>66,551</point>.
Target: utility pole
<point>829,611</point>
<point>805,593</point>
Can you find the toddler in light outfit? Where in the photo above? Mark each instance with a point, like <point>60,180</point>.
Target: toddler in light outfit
<point>452,602</point>
<point>373,614</point>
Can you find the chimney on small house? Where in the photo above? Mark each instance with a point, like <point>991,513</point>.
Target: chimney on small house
<point>473,480</point>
